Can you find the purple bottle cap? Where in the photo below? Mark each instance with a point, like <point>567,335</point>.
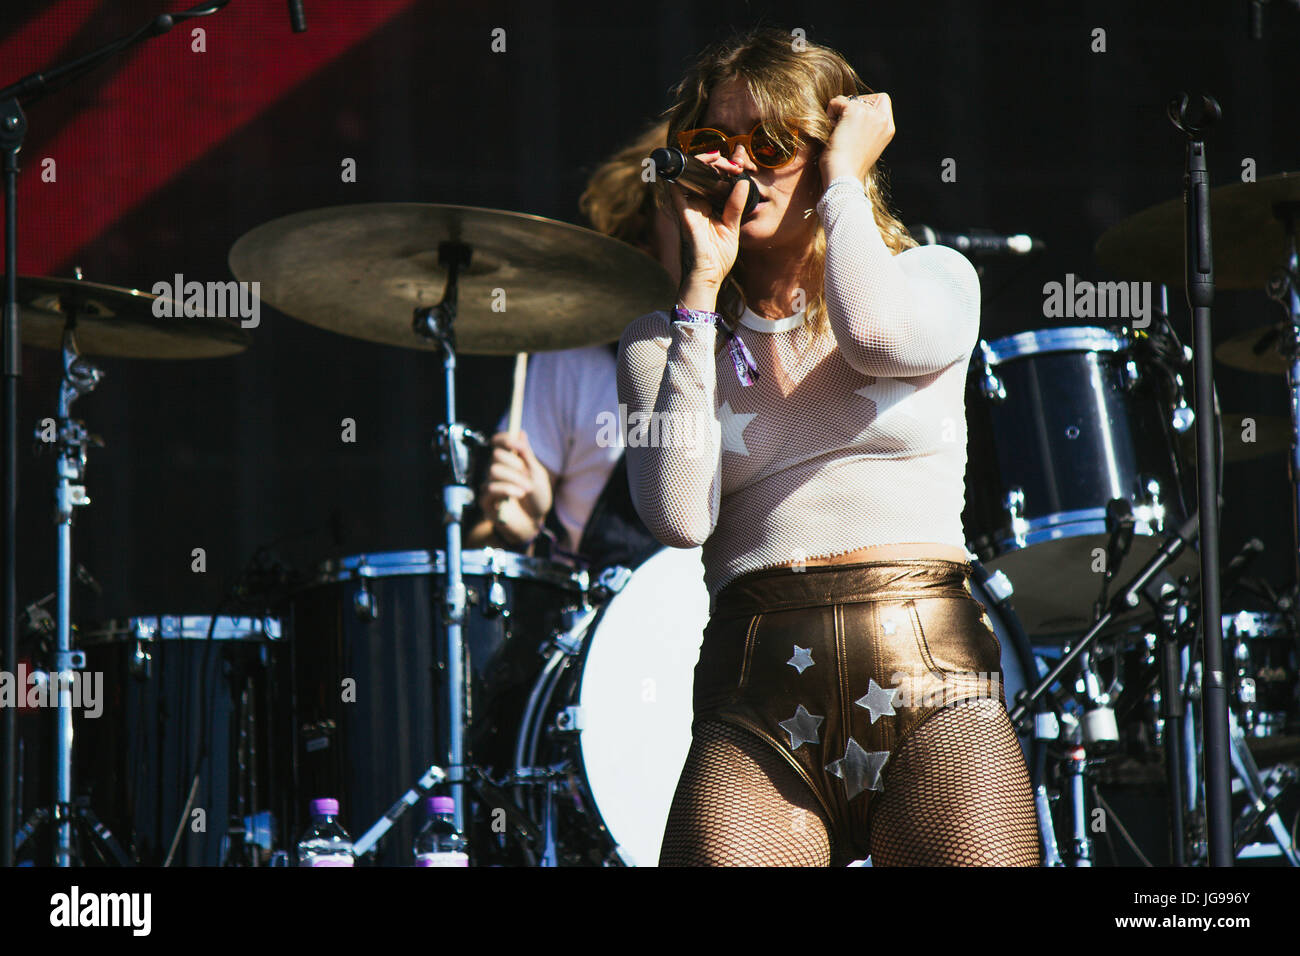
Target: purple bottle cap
<point>440,805</point>
<point>325,807</point>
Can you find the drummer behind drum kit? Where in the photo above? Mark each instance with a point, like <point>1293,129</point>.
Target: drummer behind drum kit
<point>554,706</point>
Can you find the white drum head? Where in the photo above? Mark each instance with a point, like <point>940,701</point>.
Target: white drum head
<point>636,698</point>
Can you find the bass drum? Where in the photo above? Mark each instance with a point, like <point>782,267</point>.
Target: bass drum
<point>620,721</point>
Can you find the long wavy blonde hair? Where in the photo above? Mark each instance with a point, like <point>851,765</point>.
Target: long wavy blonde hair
<point>791,83</point>
<point>618,201</point>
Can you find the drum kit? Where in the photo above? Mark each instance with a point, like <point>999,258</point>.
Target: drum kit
<point>1082,464</point>
<point>553,701</point>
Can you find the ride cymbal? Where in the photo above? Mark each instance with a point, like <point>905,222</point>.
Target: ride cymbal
<point>1249,239</point>
<point>532,284</point>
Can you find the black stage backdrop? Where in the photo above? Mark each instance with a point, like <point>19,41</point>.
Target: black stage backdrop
<point>164,158</point>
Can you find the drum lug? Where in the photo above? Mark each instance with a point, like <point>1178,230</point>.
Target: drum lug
<point>141,665</point>
<point>1130,375</point>
<point>1014,503</point>
<point>611,581</point>
<point>569,720</point>
<point>318,736</point>
<point>1246,690</point>
<point>1149,506</point>
<point>994,390</point>
<point>1182,417</point>
<point>363,603</point>
<point>141,660</point>
<point>999,586</point>
<point>570,642</point>
<point>496,600</point>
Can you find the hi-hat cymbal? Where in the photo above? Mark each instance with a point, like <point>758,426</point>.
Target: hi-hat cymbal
<point>533,284</point>
<point>1249,240</point>
<point>120,323</point>
<point>1256,350</point>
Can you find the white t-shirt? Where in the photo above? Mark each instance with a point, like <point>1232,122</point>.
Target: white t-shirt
<point>565,395</point>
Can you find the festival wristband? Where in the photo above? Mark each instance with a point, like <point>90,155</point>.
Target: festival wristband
<point>741,358</point>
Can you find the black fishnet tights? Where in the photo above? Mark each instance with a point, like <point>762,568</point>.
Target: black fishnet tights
<point>956,793</point>
<point>739,803</point>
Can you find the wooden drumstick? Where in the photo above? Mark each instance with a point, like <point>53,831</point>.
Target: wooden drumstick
<point>517,395</point>
<point>516,411</point>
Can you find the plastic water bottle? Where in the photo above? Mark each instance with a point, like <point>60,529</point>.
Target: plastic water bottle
<point>439,843</point>
<point>325,843</point>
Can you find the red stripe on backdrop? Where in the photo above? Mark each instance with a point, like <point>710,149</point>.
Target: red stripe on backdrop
<point>167,106</point>
<point>39,41</point>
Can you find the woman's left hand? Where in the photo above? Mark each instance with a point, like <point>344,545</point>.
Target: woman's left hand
<point>863,127</point>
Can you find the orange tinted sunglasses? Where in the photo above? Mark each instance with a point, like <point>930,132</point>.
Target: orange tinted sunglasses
<point>765,149</point>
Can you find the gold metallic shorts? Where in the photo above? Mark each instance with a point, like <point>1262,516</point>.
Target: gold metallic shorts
<point>836,665</point>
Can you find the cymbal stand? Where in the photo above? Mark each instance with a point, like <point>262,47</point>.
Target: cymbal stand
<point>1182,700</point>
<point>454,439</point>
<point>1129,597</point>
<point>1193,835</point>
<point>13,129</point>
<point>1077,761</point>
<point>1262,809</point>
<point>1284,288</point>
<point>1261,794</point>
<point>432,777</point>
<point>80,376</point>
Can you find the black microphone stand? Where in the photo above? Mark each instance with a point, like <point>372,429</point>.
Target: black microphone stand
<point>13,129</point>
<point>1199,279</point>
<point>1170,627</point>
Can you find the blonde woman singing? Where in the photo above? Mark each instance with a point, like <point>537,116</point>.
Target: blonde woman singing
<point>842,699</point>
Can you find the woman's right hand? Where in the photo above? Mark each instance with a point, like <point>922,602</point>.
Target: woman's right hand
<point>710,243</point>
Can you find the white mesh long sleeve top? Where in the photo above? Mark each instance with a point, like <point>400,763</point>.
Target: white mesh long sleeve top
<point>856,439</point>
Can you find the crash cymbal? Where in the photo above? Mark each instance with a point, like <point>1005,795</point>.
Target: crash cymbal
<point>120,323</point>
<point>1257,350</point>
<point>1249,241</point>
<point>532,285</point>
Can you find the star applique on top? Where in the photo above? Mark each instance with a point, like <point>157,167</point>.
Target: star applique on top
<point>802,659</point>
<point>885,393</point>
<point>858,768</point>
<point>878,701</point>
<point>802,727</point>
<point>733,428</point>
